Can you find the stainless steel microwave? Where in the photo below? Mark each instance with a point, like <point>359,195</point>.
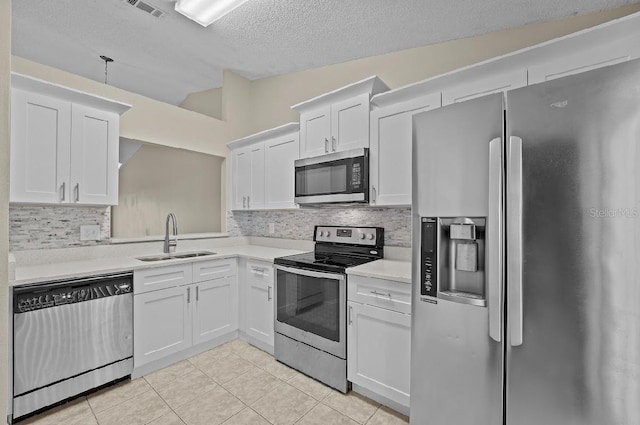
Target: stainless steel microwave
<point>340,177</point>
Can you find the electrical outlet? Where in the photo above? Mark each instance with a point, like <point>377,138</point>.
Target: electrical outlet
<point>272,228</point>
<point>90,232</point>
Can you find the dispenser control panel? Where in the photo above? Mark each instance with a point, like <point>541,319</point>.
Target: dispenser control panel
<point>429,266</point>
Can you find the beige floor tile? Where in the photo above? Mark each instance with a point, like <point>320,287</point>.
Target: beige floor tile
<point>185,388</point>
<point>284,405</point>
<point>309,386</point>
<point>237,345</point>
<point>324,415</point>
<point>227,368</point>
<point>208,357</point>
<point>76,412</point>
<point>169,419</point>
<point>139,410</point>
<point>255,355</point>
<point>168,374</point>
<point>116,394</point>
<point>386,416</point>
<point>266,361</point>
<point>211,408</point>
<point>357,407</point>
<point>252,385</point>
<point>246,417</point>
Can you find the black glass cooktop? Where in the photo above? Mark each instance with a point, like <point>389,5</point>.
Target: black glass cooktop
<point>322,261</point>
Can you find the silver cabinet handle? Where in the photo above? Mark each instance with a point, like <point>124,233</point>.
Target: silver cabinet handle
<point>188,295</point>
<point>494,241</point>
<point>350,311</point>
<point>514,240</point>
<point>64,191</point>
<point>269,293</point>
<point>244,202</point>
<point>380,294</point>
<point>326,145</point>
<point>249,202</point>
<point>375,194</point>
<point>77,190</point>
<point>333,143</point>
<point>197,293</point>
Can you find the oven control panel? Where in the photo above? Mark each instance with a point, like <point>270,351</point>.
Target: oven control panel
<point>369,236</point>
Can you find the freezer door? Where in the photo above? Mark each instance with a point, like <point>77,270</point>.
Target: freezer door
<point>573,250</point>
<point>457,365</point>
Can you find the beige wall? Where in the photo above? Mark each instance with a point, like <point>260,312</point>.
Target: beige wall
<point>5,64</point>
<point>158,180</point>
<point>208,102</point>
<point>272,97</point>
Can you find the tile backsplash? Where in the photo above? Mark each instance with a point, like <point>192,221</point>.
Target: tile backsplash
<point>38,227</point>
<point>299,224</point>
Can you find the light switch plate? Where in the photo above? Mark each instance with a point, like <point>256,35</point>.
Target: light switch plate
<point>90,232</point>
<point>272,228</point>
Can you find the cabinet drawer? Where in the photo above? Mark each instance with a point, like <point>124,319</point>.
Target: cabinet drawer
<point>259,271</point>
<point>387,294</point>
<point>213,269</point>
<point>161,277</point>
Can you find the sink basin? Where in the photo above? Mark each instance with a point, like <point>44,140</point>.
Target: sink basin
<point>175,256</point>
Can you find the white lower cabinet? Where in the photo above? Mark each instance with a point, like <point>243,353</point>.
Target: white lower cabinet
<point>173,319</point>
<point>379,340</point>
<point>258,302</point>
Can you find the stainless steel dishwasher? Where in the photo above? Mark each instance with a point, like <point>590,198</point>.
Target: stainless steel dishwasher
<point>70,337</point>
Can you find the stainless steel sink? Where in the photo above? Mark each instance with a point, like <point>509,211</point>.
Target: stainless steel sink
<point>175,256</point>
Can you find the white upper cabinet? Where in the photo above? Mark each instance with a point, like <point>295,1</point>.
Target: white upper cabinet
<point>390,148</point>
<point>262,169</point>
<point>279,156</point>
<point>338,120</point>
<point>484,85</point>
<point>64,145</point>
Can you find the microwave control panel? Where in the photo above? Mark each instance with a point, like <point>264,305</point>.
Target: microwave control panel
<point>429,265</point>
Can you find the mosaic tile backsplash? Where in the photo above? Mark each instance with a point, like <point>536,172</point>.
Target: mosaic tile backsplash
<point>38,227</point>
<point>299,224</point>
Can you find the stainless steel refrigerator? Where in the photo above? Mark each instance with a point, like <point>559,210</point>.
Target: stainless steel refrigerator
<point>526,255</point>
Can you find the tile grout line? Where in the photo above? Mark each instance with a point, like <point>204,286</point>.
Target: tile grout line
<point>164,401</point>
<point>91,409</point>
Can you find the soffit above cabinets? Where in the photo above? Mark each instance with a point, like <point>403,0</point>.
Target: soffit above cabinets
<point>168,57</point>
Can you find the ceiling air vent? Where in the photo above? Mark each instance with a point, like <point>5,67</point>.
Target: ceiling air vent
<point>147,7</point>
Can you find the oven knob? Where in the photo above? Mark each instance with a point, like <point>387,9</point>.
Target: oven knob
<point>370,236</point>
<point>321,234</point>
<point>328,233</point>
<point>362,235</point>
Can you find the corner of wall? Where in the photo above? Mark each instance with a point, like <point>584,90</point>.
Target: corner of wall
<point>5,93</point>
<point>236,103</point>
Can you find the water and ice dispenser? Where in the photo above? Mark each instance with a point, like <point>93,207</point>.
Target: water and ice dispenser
<point>453,259</point>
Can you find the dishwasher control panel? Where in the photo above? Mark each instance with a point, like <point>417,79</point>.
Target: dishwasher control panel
<point>47,295</point>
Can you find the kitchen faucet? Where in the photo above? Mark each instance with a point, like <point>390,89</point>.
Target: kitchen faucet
<point>169,244</point>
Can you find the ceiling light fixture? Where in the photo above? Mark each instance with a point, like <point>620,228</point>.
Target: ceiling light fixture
<point>206,12</point>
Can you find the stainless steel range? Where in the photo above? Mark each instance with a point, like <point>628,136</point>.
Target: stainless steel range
<point>311,301</point>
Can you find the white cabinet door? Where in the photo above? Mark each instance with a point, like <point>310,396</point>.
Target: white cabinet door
<point>162,324</point>
<point>215,309</point>
<point>586,60</point>
<point>499,82</point>
<point>315,132</point>
<point>350,123</point>
<point>241,188</point>
<point>255,199</point>
<point>259,302</point>
<point>95,139</point>
<point>390,154</point>
<point>280,154</point>
<point>379,351</point>
<point>40,148</point>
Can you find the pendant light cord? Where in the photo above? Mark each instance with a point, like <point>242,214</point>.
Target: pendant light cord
<point>106,60</point>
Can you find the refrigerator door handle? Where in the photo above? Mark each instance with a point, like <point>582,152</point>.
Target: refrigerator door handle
<point>514,240</point>
<point>494,240</point>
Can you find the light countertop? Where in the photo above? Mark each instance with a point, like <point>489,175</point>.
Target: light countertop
<point>399,271</point>
<point>107,265</point>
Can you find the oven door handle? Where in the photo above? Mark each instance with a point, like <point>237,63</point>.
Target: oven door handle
<point>310,273</point>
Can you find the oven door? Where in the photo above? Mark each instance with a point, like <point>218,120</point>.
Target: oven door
<point>334,178</point>
<point>311,308</point>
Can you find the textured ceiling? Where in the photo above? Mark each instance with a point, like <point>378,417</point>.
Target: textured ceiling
<point>170,57</point>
